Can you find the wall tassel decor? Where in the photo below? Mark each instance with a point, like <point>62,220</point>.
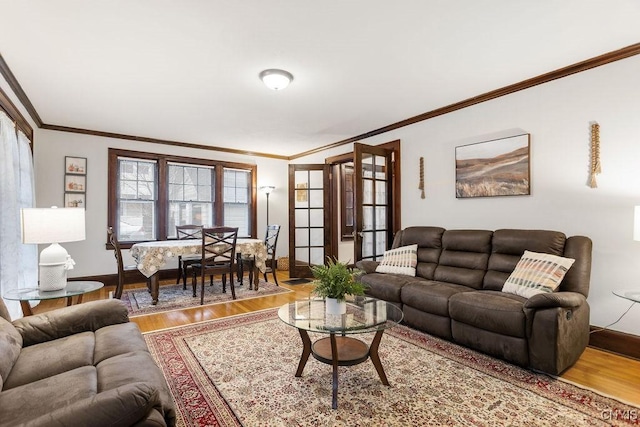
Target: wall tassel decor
<point>595,154</point>
<point>421,183</point>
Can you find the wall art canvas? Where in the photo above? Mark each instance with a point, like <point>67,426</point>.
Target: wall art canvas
<point>494,168</point>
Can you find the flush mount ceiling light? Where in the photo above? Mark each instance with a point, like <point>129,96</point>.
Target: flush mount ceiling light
<point>276,79</point>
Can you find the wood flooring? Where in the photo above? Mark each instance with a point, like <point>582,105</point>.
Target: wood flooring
<point>607,373</point>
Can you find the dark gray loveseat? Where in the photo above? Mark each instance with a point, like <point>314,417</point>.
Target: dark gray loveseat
<point>456,294</point>
<point>84,365</point>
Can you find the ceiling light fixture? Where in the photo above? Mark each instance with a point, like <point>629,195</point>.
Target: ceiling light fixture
<point>276,79</point>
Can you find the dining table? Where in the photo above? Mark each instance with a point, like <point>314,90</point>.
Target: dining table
<point>151,256</point>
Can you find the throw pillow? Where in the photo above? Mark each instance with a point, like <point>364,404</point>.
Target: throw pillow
<point>537,273</point>
<point>401,260</point>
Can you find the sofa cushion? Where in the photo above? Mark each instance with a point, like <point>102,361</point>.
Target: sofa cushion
<point>400,260</point>
<point>386,286</point>
<point>10,346</point>
<point>431,296</point>
<point>124,406</point>
<point>537,273</point>
<point>21,404</point>
<point>493,311</point>
<point>117,339</point>
<point>429,241</point>
<point>508,245</point>
<point>51,358</point>
<point>464,258</point>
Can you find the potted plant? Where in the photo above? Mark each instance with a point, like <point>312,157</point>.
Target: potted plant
<point>333,282</point>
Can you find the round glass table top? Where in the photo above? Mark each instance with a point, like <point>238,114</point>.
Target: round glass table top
<point>364,314</point>
<point>72,289</point>
<point>630,294</point>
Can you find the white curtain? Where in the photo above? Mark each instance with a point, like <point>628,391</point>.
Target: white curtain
<point>17,265</point>
<point>28,264</point>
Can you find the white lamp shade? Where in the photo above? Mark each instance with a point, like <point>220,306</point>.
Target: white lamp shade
<point>52,225</point>
<point>276,79</point>
<point>636,223</point>
<point>266,189</point>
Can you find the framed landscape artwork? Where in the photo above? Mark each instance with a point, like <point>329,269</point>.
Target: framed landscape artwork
<point>494,168</point>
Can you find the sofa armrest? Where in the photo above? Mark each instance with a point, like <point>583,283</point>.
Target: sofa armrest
<point>367,266</point>
<point>555,299</point>
<point>66,321</point>
<point>122,406</point>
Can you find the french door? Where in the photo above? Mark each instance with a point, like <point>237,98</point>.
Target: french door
<point>373,231</point>
<point>309,218</point>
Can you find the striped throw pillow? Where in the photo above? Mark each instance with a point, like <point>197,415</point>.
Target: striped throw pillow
<point>400,261</point>
<point>537,273</point>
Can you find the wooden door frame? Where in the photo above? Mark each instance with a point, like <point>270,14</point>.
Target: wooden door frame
<point>294,270</point>
<point>396,183</point>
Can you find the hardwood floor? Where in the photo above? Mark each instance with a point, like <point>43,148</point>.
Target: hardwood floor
<point>604,372</point>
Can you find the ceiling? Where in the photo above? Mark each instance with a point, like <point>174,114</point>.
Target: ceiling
<point>188,70</point>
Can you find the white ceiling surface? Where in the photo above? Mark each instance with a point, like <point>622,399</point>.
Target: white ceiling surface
<point>188,70</point>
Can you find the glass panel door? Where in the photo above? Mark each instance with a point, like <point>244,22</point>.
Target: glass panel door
<point>373,227</point>
<point>309,224</point>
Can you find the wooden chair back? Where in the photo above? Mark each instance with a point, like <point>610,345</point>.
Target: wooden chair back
<point>219,246</point>
<point>189,231</point>
<point>271,242</point>
<point>117,253</point>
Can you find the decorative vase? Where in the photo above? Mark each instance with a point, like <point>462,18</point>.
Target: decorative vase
<point>336,306</point>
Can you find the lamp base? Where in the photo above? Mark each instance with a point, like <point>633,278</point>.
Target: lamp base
<point>53,271</point>
<point>53,277</point>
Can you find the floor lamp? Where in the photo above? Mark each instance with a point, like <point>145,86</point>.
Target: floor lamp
<point>267,189</point>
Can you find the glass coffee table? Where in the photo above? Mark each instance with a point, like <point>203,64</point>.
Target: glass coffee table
<point>340,347</point>
<point>77,288</point>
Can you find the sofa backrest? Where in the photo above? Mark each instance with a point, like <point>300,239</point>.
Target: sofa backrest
<point>484,259</point>
<point>10,347</point>
<point>508,245</point>
<point>464,257</point>
<point>429,241</point>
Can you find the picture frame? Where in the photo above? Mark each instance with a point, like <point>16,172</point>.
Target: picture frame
<point>75,182</point>
<point>498,167</point>
<point>74,200</point>
<point>75,165</point>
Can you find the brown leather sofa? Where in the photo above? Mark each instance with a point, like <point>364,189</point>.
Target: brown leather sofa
<point>84,365</point>
<point>456,294</point>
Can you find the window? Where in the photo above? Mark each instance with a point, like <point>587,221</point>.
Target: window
<point>237,193</point>
<point>191,196</point>
<point>136,200</point>
<point>149,194</point>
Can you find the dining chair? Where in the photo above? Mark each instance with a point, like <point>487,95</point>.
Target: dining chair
<point>218,257</point>
<point>187,232</point>
<point>117,252</point>
<point>270,242</point>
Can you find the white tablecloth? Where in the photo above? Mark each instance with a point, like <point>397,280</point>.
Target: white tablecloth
<point>152,256</point>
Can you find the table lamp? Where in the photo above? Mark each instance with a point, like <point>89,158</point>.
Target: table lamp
<point>53,225</point>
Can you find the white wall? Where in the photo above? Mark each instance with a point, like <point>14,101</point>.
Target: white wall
<point>90,255</point>
<point>558,116</point>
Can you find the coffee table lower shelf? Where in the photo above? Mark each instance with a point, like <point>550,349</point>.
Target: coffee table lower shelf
<point>340,351</point>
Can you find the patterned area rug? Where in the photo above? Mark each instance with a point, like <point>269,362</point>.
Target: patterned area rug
<point>173,297</point>
<point>240,371</point>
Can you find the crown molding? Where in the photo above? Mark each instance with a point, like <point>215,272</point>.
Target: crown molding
<point>579,67</point>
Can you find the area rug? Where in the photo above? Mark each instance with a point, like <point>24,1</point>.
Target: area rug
<point>173,297</point>
<point>240,371</point>
<point>300,281</point>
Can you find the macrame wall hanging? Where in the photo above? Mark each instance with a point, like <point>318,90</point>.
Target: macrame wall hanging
<point>595,155</point>
<point>421,183</point>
